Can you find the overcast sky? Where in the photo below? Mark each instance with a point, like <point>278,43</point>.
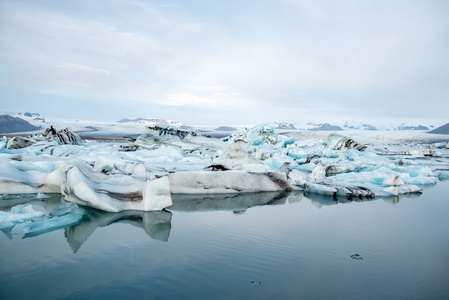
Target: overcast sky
<point>227,62</point>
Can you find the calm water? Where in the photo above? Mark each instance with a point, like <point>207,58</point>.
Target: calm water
<point>260,246</point>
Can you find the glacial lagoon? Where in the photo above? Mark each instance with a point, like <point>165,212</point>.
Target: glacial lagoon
<point>284,245</point>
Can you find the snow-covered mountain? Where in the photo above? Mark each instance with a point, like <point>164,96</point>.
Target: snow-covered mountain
<point>284,125</point>
<point>34,119</point>
<point>441,130</point>
<point>352,125</point>
<point>10,124</point>
<point>405,126</point>
<point>323,127</point>
<point>152,121</point>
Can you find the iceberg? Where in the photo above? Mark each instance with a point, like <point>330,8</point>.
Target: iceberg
<point>352,191</point>
<point>40,227</point>
<point>339,142</point>
<point>146,196</point>
<point>18,143</point>
<point>232,172</point>
<point>62,137</point>
<point>261,134</point>
<point>207,182</point>
<point>167,161</point>
<point>162,134</point>
<point>19,214</point>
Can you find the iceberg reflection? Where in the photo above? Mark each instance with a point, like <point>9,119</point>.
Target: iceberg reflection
<point>156,224</point>
<point>319,200</point>
<point>233,202</point>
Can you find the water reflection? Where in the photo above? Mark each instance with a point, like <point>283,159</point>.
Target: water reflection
<point>156,224</point>
<point>238,203</point>
<point>325,200</point>
<point>48,201</point>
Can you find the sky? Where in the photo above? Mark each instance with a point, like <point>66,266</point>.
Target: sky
<point>227,62</point>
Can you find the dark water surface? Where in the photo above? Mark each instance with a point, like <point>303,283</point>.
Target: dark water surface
<point>258,246</point>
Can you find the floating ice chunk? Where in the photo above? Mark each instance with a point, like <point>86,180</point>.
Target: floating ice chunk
<point>18,143</point>
<point>236,157</point>
<point>322,189</point>
<point>206,182</point>
<point>63,136</point>
<point>420,171</point>
<point>442,176</point>
<point>363,190</point>
<point>172,137</point>
<point>150,195</point>
<point>19,214</point>
<point>339,142</point>
<point>400,190</point>
<point>261,134</point>
<point>42,196</point>
<point>66,208</point>
<point>36,228</point>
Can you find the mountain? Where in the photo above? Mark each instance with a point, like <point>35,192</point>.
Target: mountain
<point>413,127</point>
<point>441,130</point>
<point>284,125</point>
<point>358,126</point>
<point>152,121</point>
<point>324,127</point>
<point>9,124</point>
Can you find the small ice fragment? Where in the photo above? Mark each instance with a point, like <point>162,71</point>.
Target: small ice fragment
<point>47,225</point>
<point>42,196</point>
<point>356,256</point>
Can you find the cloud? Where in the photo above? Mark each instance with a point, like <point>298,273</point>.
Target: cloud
<point>314,57</point>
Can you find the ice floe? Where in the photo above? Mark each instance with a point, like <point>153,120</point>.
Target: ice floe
<point>165,161</point>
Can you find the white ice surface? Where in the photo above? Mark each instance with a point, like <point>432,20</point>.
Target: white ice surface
<point>207,182</point>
